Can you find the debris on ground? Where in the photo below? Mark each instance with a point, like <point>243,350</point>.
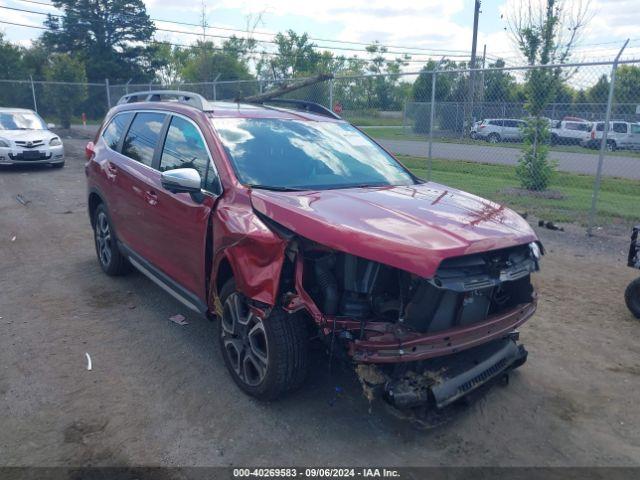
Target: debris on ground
<point>22,200</point>
<point>550,226</point>
<point>89,366</point>
<point>179,319</point>
<point>337,393</point>
<point>13,237</point>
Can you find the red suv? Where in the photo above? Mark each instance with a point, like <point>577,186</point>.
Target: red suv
<point>287,223</point>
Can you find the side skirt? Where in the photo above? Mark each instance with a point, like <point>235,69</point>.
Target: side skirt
<point>161,279</point>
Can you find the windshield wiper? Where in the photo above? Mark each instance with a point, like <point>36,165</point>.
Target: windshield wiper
<point>275,188</point>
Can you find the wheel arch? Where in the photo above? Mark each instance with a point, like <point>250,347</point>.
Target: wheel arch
<point>93,201</point>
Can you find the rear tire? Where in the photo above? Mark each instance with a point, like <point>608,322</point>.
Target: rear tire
<point>632,297</point>
<point>111,260</point>
<point>266,358</point>
<point>611,146</point>
<point>493,138</point>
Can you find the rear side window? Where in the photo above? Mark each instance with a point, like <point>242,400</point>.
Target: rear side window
<point>600,127</point>
<point>635,128</point>
<point>620,127</point>
<point>142,138</point>
<point>184,148</point>
<point>114,130</point>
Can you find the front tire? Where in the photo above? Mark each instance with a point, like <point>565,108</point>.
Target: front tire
<point>265,357</point>
<point>632,297</point>
<point>111,260</point>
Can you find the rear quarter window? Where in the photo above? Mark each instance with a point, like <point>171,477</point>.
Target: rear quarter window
<point>115,129</point>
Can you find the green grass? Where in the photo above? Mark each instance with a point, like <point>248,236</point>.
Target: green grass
<point>401,133</point>
<point>364,121</point>
<point>618,200</point>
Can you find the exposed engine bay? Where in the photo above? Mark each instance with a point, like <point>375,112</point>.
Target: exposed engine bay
<point>429,340</point>
<point>465,290</point>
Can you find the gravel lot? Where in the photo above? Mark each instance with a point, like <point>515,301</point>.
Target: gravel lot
<point>159,393</point>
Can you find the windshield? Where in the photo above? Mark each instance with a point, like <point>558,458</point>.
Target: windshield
<point>304,155</point>
<point>21,121</point>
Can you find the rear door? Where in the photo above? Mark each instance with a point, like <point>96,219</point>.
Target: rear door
<point>108,156</point>
<point>179,222</point>
<point>137,178</point>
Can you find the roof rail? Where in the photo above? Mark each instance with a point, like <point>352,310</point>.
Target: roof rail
<point>303,105</point>
<point>189,98</point>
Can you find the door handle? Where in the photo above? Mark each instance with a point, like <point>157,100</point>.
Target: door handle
<point>151,197</point>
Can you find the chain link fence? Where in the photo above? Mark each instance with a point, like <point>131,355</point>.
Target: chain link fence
<point>558,142</point>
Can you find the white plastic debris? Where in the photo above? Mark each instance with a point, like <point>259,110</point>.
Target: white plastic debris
<point>13,238</point>
<point>88,361</point>
<point>179,319</point>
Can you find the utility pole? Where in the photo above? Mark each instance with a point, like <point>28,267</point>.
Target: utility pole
<point>472,65</point>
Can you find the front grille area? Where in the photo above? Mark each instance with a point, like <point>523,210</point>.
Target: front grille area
<point>30,155</point>
<point>29,143</point>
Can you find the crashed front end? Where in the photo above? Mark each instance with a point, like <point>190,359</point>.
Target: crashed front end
<point>425,340</point>
<point>423,287</point>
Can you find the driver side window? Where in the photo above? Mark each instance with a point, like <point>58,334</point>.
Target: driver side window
<point>184,148</point>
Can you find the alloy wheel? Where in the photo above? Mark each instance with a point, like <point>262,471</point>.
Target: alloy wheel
<point>244,340</point>
<point>103,239</point>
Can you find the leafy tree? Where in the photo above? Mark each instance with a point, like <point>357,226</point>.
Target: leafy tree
<point>599,92</point>
<point>12,66</point>
<point>62,98</point>
<point>540,36</point>
<point>296,57</point>
<point>112,37</point>
<point>627,89</point>
<point>500,86</point>
<point>204,62</point>
<point>444,83</point>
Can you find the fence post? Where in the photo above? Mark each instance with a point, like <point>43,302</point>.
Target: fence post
<point>106,84</point>
<point>431,117</point>
<point>331,94</point>
<point>33,92</point>
<point>603,142</point>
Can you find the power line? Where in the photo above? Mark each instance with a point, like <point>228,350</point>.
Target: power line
<point>206,47</point>
<point>448,52</point>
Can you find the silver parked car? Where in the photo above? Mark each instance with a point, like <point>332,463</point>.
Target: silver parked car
<point>620,135</point>
<point>496,130</point>
<point>25,139</point>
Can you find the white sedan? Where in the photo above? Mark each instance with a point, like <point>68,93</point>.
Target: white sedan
<point>25,139</point>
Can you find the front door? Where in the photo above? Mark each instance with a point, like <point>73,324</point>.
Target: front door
<point>135,175</point>
<point>179,223</point>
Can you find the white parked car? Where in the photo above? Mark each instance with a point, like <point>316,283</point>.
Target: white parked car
<point>620,135</point>
<point>568,132</point>
<point>25,139</point>
<point>496,130</point>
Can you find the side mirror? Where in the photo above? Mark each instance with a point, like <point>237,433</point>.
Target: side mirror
<point>181,180</point>
<point>51,125</point>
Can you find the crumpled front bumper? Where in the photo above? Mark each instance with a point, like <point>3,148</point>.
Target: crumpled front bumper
<point>448,379</point>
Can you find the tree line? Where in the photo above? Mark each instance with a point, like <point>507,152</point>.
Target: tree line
<point>114,39</point>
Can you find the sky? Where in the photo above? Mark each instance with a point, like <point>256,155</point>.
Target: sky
<point>425,28</point>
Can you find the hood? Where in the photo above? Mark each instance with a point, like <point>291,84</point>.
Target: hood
<point>412,228</point>
<point>27,135</point>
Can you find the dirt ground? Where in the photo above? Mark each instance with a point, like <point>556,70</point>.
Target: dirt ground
<point>159,393</point>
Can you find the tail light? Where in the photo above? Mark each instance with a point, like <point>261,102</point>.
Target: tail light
<point>89,150</point>
<point>593,135</point>
<point>480,127</point>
